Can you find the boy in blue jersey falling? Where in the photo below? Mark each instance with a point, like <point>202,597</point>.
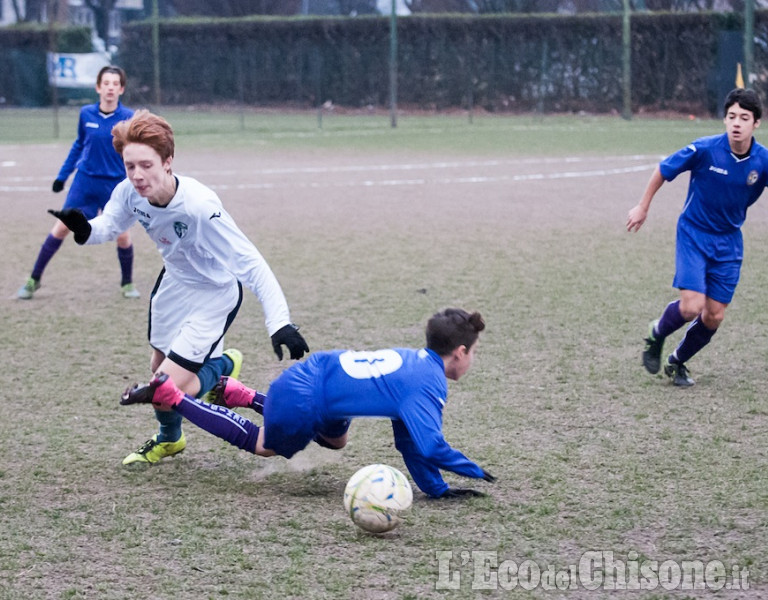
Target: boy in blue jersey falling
<point>316,399</point>
<point>99,170</point>
<point>728,174</point>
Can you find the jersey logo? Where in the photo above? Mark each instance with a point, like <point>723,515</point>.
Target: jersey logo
<point>752,178</point>
<point>718,170</point>
<point>370,365</point>
<point>180,229</point>
<point>215,215</point>
<point>92,125</point>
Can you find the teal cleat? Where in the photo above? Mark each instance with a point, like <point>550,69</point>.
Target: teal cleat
<point>27,290</point>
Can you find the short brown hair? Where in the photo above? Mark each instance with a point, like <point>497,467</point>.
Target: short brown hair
<point>144,128</point>
<point>110,69</point>
<point>451,328</point>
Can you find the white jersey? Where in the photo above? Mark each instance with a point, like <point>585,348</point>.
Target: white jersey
<point>199,241</point>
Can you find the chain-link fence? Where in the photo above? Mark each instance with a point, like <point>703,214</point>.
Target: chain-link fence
<point>546,63</point>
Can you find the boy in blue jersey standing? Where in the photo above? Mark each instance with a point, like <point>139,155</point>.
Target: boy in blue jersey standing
<point>728,174</point>
<point>317,398</point>
<point>99,169</point>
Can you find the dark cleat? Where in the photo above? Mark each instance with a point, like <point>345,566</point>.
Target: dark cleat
<point>216,395</point>
<point>142,394</point>
<point>652,352</point>
<point>678,373</point>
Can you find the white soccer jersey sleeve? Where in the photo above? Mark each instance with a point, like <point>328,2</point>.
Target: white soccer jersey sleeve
<point>200,243</point>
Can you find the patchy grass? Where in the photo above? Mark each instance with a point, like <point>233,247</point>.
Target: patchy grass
<point>591,453</point>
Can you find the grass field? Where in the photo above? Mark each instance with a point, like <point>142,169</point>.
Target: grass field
<point>370,230</point>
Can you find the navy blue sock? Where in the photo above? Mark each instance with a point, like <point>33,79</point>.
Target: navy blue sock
<point>257,403</point>
<point>221,422</point>
<point>697,336</point>
<point>671,320</point>
<point>170,426</point>
<point>211,371</point>
<point>50,246</point>
<point>125,256</point>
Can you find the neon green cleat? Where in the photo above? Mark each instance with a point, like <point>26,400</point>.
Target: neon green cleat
<point>129,291</point>
<point>237,360</point>
<point>153,451</point>
<point>28,289</point>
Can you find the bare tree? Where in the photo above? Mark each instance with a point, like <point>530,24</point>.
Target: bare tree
<point>17,10</point>
<point>34,11</point>
<point>101,11</point>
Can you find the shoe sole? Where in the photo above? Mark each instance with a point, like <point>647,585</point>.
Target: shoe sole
<point>138,394</point>
<point>149,462</point>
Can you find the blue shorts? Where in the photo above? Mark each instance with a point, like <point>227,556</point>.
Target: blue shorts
<point>708,263</point>
<point>292,411</point>
<point>90,194</point>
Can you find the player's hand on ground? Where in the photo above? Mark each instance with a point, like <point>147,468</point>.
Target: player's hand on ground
<point>290,336</point>
<point>488,477</point>
<point>636,218</point>
<point>453,492</point>
<point>75,222</point>
<point>58,185</point>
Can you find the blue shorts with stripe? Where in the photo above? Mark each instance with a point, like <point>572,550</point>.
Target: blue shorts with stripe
<point>708,263</point>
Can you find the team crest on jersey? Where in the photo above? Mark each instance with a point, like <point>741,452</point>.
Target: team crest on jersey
<point>752,178</point>
<point>180,229</point>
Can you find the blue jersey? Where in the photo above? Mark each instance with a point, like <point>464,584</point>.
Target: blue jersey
<point>407,386</point>
<point>92,152</point>
<point>722,186</point>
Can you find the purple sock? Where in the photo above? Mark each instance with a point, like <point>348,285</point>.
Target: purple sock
<point>697,336</point>
<point>125,256</point>
<point>671,320</point>
<point>221,422</point>
<point>50,246</point>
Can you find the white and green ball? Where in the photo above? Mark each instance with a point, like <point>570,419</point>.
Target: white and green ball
<point>376,498</point>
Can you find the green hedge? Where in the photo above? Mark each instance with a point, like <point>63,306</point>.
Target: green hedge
<point>496,62</point>
<point>548,63</point>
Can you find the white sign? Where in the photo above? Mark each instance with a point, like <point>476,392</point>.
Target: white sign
<point>75,70</point>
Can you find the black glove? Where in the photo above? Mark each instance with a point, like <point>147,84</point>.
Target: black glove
<point>58,185</point>
<point>462,493</point>
<point>488,477</point>
<point>75,222</point>
<point>290,336</point>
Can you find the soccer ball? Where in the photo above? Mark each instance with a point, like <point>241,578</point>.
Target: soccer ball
<point>376,497</point>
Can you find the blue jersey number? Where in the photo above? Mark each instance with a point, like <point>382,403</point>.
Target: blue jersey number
<point>370,365</point>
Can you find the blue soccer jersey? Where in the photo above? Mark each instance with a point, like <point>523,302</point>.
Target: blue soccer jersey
<point>722,186</point>
<point>92,152</point>
<point>407,386</point>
